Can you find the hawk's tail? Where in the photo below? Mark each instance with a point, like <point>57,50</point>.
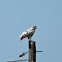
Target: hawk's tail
<point>22,37</point>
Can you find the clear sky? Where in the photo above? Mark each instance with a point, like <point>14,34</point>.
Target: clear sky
<point>17,16</point>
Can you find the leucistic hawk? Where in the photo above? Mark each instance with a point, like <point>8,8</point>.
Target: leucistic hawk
<point>28,33</point>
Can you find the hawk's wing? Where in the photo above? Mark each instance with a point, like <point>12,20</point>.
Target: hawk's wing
<point>27,33</point>
<point>30,31</point>
<point>24,33</point>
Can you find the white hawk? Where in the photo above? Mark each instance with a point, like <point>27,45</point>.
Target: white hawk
<point>28,33</point>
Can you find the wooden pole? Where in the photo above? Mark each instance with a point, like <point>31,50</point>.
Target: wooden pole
<point>32,51</point>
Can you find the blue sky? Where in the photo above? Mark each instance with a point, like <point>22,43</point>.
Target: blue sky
<point>17,16</point>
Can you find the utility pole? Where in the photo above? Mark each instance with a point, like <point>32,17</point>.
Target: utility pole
<point>32,51</point>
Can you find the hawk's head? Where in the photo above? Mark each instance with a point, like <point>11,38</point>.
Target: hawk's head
<point>34,27</point>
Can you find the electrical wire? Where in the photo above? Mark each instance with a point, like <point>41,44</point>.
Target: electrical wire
<point>12,59</point>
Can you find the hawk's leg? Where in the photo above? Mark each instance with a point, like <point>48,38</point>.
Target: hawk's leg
<point>30,38</point>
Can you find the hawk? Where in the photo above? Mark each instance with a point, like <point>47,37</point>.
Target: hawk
<point>28,33</point>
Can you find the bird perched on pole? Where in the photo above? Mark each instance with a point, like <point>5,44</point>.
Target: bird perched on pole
<point>28,33</point>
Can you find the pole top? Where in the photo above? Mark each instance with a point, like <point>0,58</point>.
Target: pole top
<point>31,41</point>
